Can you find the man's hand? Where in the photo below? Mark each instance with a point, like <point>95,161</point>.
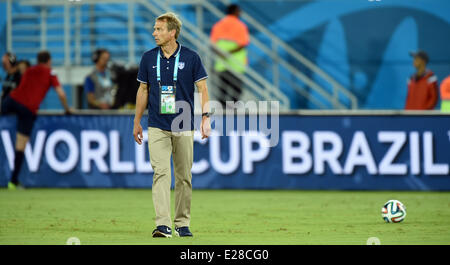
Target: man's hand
<point>104,106</point>
<point>137,133</point>
<point>69,111</point>
<point>205,127</point>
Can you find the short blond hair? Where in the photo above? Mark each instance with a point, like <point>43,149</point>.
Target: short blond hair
<point>173,22</point>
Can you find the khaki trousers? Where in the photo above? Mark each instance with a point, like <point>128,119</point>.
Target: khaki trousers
<point>163,144</point>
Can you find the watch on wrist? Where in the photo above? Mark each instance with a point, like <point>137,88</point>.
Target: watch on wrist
<point>206,114</point>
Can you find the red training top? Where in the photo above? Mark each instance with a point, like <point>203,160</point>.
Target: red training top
<point>422,92</point>
<point>34,86</point>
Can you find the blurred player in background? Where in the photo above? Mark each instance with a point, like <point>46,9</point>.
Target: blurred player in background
<point>422,86</point>
<point>24,102</point>
<point>168,75</point>
<point>13,75</point>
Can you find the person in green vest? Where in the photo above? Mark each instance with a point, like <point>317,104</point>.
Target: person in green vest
<point>445,95</point>
<point>230,35</point>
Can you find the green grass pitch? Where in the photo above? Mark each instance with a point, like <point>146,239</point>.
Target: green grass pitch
<point>122,216</point>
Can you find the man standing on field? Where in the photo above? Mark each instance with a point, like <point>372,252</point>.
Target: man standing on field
<point>168,75</point>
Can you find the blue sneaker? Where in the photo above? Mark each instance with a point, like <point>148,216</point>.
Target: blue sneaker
<point>162,231</point>
<point>183,231</point>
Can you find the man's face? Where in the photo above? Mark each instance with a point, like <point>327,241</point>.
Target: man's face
<point>22,67</point>
<point>103,59</point>
<point>418,62</point>
<point>161,34</point>
<point>5,63</point>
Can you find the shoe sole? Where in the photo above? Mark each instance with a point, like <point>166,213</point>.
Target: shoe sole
<point>160,234</point>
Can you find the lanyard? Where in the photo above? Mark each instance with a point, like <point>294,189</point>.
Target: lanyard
<point>105,80</point>
<point>175,69</point>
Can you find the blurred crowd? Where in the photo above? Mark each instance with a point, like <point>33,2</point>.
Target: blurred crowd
<point>107,86</point>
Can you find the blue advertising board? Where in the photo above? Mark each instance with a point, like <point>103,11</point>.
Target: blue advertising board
<point>337,152</point>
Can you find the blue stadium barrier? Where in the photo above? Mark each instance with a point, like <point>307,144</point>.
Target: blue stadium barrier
<point>329,152</point>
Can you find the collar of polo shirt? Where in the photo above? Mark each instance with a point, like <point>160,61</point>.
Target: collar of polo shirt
<point>161,53</point>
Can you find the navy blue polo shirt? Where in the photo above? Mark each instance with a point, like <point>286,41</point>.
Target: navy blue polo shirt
<point>190,70</point>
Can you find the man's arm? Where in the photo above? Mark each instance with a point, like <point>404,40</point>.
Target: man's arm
<point>433,96</point>
<point>62,97</point>
<point>89,88</point>
<point>222,54</point>
<point>205,127</point>
<point>141,104</point>
<point>237,49</point>
<point>93,102</point>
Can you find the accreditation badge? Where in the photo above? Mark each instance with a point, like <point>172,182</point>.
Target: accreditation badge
<point>167,100</point>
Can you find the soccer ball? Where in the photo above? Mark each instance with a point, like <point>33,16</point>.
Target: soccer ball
<point>393,211</point>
